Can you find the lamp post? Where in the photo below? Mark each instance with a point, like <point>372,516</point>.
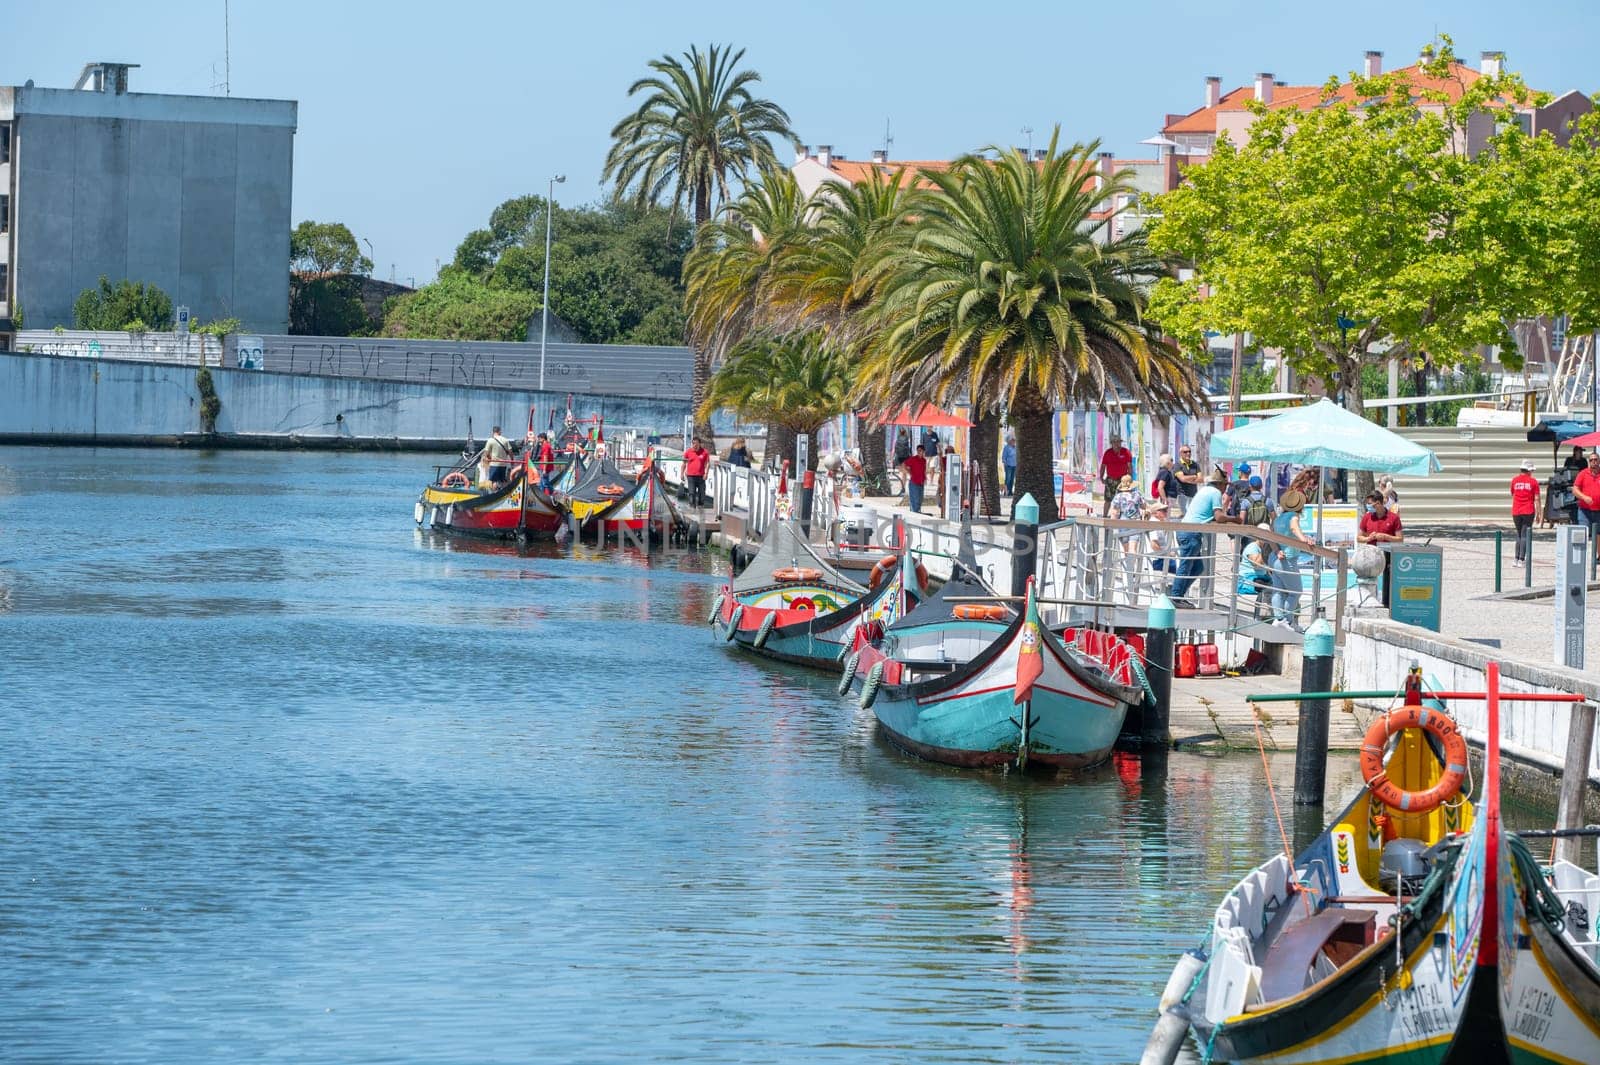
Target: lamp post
<point>544,308</point>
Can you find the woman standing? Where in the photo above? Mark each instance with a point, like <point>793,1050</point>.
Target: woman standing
<point>1286,567</point>
<point>739,453</point>
<point>1128,505</point>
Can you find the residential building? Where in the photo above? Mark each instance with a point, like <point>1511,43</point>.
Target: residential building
<point>189,193</point>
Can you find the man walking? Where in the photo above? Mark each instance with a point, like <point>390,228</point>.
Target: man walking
<point>1586,486</point>
<point>916,478</point>
<point>695,461</point>
<point>1115,464</point>
<point>1524,505</point>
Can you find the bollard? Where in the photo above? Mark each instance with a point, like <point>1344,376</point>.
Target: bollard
<point>1311,751</point>
<point>1499,550</point>
<point>808,489</point>
<point>1527,564</point>
<point>1161,630</point>
<point>1025,541</point>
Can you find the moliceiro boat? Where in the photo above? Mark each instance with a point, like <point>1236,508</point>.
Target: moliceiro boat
<point>969,680</point>
<point>1415,929</point>
<point>455,503</point>
<point>607,499</point>
<point>792,605</point>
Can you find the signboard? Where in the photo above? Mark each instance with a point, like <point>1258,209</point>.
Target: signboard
<point>952,486</point>
<point>802,451</point>
<point>1339,522</point>
<point>248,353</point>
<point>1416,581</point>
<point>1571,594</point>
<point>183,321</point>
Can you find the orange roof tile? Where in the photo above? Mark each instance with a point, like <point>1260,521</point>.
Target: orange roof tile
<point>856,171</point>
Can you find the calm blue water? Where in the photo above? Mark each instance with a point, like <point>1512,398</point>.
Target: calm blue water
<point>283,779</point>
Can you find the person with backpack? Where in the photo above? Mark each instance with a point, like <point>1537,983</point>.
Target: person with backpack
<point>1255,508</point>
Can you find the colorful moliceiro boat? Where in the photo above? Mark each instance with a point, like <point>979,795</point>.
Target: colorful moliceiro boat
<point>792,605</point>
<point>1415,929</point>
<point>967,680</point>
<point>516,508</point>
<point>606,498</point>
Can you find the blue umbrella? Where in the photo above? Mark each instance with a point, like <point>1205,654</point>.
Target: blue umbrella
<point>1324,434</point>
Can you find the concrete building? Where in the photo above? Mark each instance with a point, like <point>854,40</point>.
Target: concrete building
<point>189,193</point>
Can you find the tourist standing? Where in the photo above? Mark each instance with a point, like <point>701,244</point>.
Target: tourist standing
<point>739,453</point>
<point>1115,463</point>
<point>1008,462</point>
<point>1524,506</point>
<point>1380,525</point>
<point>1575,461</point>
<point>547,462</point>
<point>1206,506</point>
<point>497,457</point>
<point>916,467</point>
<point>1166,489</point>
<point>1286,582</point>
<point>1128,505</point>
<point>695,461</point>
<point>1586,486</point>
<point>1187,471</point>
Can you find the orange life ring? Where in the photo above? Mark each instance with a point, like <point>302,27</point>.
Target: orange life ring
<point>610,490</point>
<point>796,573</point>
<point>979,611</point>
<point>454,479</point>
<point>885,566</point>
<point>1386,791</point>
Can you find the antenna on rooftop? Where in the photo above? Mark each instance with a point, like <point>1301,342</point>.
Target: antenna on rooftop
<point>227,51</point>
<point>888,138</point>
<point>1028,131</point>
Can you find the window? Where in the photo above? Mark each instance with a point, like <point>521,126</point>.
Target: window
<point>4,298</point>
<point>5,214</point>
<point>5,143</point>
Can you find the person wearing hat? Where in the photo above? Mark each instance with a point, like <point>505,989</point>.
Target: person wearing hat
<point>1286,580</point>
<point>1128,505</point>
<point>1524,505</point>
<point>1206,506</point>
<point>1115,463</point>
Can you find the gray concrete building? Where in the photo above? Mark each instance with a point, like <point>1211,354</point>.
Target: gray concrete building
<point>189,193</point>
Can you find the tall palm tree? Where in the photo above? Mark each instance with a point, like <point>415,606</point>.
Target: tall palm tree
<point>1005,294</point>
<point>697,128</point>
<point>826,281</point>
<point>792,382</point>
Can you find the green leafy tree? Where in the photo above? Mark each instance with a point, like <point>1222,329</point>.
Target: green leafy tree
<point>792,383</point>
<point>698,128</point>
<point>1359,230</point>
<point>459,306</point>
<point>122,306</point>
<point>1004,294</point>
<point>326,267</point>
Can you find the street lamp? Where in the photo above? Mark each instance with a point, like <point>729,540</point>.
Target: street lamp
<point>370,253</point>
<point>544,310</point>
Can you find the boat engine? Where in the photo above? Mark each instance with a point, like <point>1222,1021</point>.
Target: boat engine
<point>1404,866</point>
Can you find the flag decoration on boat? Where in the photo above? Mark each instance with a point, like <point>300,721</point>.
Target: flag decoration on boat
<point>1030,655</point>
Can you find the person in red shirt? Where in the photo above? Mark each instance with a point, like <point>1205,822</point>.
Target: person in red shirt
<point>1524,505</point>
<point>1380,525</point>
<point>547,462</point>
<point>1115,464</point>
<point>1586,486</point>
<point>695,461</point>
<point>916,477</point>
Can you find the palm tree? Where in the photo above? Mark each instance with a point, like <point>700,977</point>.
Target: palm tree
<point>826,281</point>
<point>793,382</point>
<point>1005,294</point>
<point>697,128</point>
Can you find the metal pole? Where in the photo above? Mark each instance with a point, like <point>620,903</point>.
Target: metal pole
<point>544,308</point>
<point>1311,749</point>
<point>1160,637</point>
<point>1527,563</point>
<point>808,486</point>
<point>1574,775</point>
<point>1499,550</point>
<point>1025,542</point>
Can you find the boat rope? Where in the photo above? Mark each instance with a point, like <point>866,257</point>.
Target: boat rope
<point>1288,851</point>
<point>1138,671</point>
<point>1539,898</point>
<point>1211,1045</point>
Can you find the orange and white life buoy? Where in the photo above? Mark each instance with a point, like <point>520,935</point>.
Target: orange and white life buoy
<point>1438,724</point>
<point>454,479</point>
<point>885,566</point>
<point>978,611</point>
<point>610,490</point>
<point>790,574</point>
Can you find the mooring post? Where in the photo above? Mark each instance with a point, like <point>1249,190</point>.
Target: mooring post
<point>1161,630</point>
<point>1499,538</point>
<point>1311,749</point>
<point>1024,543</point>
<point>1527,564</point>
<point>808,489</point>
<point>1574,775</point>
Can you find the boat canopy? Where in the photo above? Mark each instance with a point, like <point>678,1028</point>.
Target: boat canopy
<point>964,583</point>
<point>783,546</point>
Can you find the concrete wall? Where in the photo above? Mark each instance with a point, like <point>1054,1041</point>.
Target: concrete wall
<point>1377,654</point>
<point>48,399</point>
<point>190,194</point>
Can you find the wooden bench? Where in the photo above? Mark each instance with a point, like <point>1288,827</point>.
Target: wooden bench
<point>1286,970</point>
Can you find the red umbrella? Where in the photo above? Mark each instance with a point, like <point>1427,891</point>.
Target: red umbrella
<point>930,415</point>
<point>1586,440</point>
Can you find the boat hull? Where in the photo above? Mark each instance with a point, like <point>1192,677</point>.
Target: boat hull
<point>971,717</point>
<point>812,622</point>
<point>1550,1005</point>
<point>512,510</point>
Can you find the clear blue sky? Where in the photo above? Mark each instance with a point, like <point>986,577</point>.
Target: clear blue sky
<point>416,119</point>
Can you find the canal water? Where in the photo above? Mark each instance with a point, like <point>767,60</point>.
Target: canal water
<point>283,778</point>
